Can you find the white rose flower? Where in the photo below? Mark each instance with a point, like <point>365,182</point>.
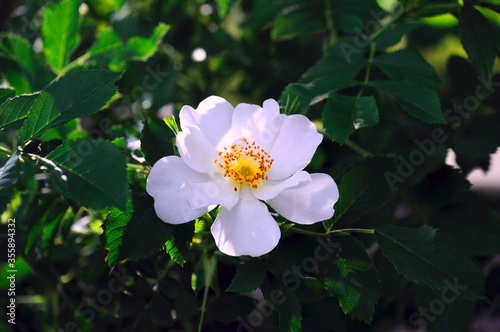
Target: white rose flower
<point>237,158</point>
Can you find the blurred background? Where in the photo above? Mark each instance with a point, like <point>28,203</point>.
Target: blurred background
<point>246,51</point>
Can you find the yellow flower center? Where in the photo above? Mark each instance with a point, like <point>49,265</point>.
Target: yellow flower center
<point>245,163</point>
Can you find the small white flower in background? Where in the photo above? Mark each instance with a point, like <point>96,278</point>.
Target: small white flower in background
<point>238,157</point>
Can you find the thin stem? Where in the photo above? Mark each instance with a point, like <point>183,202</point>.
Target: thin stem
<point>344,230</point>
<point>78,61</point>
<point>305,232</point>
<point>357,148</point>
<point>330,35</point>
<point>386,26</point>
<point>354,230</point>
<point>369,65</point>
<point>368,69</point>
<point>203,306</point>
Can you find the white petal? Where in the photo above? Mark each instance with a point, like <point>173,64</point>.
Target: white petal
<point>196,150</point>
<point>247,229</point>
<point>294,147</point>
<point>254,123</point>
<point>270,189</point>
<point>309,202</point>
<point>213,116</point>
<point>217,190</point>
<point>164,182</point>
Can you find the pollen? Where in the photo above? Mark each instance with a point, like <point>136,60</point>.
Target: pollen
<point>245,163</point>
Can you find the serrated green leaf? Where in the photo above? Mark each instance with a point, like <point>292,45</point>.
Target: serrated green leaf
<point>14,111</point>
<point>332,72</point>
<point>312,93</point>
<point>136,233</point>
<point>362,189</point>
<point>93,173</point>
<point>17,49</point>
<point>478,39</point>
<point>406,64</point>
<point>72,96</point>
<point>9,174</point>
<point>140,48</point>
<point>343,59</point>
<point>106,47</point>
<point>391,281</point>
<point>249,276</point>
<point>285,302</point>
<point>342,115</point>
<point>156,142</point>
<point>420,255</point>
<point>299,19</point>
<point>60,32</point>
<point>205,274</point>
<point>351,277</point>
<point>420,102</point>
<point>180,240</point>
<point>393,35</point>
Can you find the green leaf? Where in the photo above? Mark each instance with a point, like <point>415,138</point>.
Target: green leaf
<point>285,302</point>
<point>332,72</point>
<point>93,173</point>
<point>447,311</point>
<point>312,93</point>
<point>14,111</point>
<point>420,255</point>
<point>342,115</point>
<point>249,276</point>
<point>362,189</point>
<point>205,274</point>
<point>136,233</point>
<point>23,270</point>
<point>393,35</point>
<point>9,174</point>
<point>299,19</point>
<point>72,96</point>
<point>106,47</point>
<point>19,50</point>
<point>478,39</point>
<point>420,102</point>
<point>156,141</point>
<point>179,242</point>
<point>140,48</point>
<point>4,95</point>
<point>224,6</point>
<point>351,277</point>
<point>406,64</point>
<point>343,59</point>
<point>60,32</point>
<point>391,281</point>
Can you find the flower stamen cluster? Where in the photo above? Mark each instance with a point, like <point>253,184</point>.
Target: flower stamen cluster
<point>245,163</point>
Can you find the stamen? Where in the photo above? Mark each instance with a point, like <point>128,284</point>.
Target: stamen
<point>246,163</point>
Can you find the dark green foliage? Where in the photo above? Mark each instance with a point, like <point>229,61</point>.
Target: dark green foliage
<point>136,233</point>
<point>352,278</point>
<point>86,86</point>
